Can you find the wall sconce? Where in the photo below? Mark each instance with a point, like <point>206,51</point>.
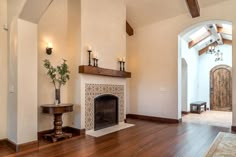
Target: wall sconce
<point>49,49</point>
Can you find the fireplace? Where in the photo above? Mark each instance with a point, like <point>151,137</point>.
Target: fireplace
<point>95,91</point>
<point>106,111</point>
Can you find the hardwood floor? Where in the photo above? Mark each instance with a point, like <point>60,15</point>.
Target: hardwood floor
<point>145,139</point>
<point>4,149</point>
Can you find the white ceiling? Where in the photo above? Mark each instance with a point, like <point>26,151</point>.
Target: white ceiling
<point>143,12</point>
<point>34,9</point>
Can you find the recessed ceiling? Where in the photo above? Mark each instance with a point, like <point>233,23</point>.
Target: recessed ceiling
<point>143,12</point>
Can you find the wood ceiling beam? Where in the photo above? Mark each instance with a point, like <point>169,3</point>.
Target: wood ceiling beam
<point>224,31</point>
<point>205,49</point>
<point>129,29</point>
<point>227,41</point>
<point>199,39</point>
<point>193,8</point>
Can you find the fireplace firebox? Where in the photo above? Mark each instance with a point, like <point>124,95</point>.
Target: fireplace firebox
<point>105,111</point>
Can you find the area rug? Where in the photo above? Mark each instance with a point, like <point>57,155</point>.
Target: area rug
<point>224,145</point>
<point>108,130</point>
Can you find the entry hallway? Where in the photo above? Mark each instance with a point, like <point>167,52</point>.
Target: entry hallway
<point>214,118</point>
<point>145,139</point>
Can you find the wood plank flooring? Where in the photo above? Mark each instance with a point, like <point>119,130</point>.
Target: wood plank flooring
<point>4,149</point>
<point>146,139</point>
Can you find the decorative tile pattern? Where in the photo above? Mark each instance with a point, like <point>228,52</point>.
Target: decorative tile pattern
<point>94,90</point>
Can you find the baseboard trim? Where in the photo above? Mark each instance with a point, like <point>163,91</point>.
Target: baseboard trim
<point>11,144</point>
<point>3,140</point>
<point>34,144</point>
<point>21,147</point>
<point>185,112</point>
<point>233,128</point>
<point>26,146</point>
<point>155,119</point>
<point>68,129</point>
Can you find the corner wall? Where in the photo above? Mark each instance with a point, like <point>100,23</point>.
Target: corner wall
<point>22,97</point>
<point>53,27</point>
<point>74,58</point>
<point>27,82</point>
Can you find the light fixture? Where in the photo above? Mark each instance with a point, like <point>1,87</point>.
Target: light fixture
<point>214,49</point>
<point>211,48</point>
<point>49,48</point>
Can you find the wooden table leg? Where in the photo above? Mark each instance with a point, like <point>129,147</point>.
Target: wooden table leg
<point>58,133</point>
<point>58,124</point>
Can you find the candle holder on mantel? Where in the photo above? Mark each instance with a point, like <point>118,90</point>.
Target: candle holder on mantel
<point>123,66</point>
<point>89,64</point>
<point>96,61</point>
<point>120,65</point>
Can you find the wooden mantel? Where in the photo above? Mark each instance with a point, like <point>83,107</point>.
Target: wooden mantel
<point>85,69</point>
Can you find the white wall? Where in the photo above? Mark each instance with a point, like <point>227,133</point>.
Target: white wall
<point>74,58</point>
<point>22,98</point>
<point>206,63</point>
<point>153,61</point>
<point>3,67</point>
<point>12,83</point>
<point>192,58</point>
<point>27,82</point>
<point>53,27</point>
<point>184,86</point>
<point>103,27</point>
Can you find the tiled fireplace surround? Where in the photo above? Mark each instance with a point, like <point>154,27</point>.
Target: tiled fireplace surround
<point>94,90</point>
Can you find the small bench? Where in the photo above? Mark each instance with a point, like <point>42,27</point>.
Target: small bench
<point>198,104</point>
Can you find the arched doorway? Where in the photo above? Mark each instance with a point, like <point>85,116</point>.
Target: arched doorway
<point>194,46</point>
<point>221,88</point>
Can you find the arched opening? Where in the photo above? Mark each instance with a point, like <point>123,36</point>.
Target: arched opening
<point>204,46</point>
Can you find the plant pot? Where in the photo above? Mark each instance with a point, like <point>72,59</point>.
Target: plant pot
<point>58,95</point>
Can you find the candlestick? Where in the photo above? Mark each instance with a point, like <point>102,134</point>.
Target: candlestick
<point>123,66</point>
<point>96,60</point>
<point>120,65</point>
<point>89,51</point>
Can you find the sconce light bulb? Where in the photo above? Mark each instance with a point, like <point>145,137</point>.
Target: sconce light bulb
<point>49,48</point>
<point>49,45</point>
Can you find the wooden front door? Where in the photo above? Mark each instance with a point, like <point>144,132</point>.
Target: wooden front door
<point>221,88</point>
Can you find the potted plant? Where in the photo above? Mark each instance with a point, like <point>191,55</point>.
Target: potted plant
<point>59,76</point>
